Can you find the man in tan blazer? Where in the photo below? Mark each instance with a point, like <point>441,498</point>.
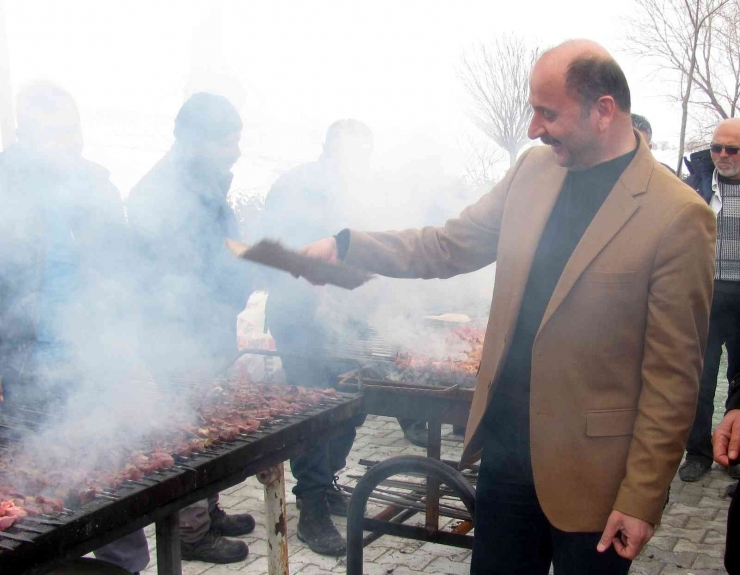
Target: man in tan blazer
<point>588,384</point>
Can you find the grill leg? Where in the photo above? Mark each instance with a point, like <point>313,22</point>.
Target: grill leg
<point>276,522</point>
<point>434,451</point>
<point>168,545</point>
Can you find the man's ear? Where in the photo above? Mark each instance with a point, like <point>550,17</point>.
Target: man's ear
<point>606,107</point>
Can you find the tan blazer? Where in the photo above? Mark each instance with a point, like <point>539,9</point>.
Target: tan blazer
<point>617,359</point>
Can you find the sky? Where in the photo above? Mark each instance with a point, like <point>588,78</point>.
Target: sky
<point>292,68</point>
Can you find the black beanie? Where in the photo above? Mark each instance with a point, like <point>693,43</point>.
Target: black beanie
<point>206,116</point>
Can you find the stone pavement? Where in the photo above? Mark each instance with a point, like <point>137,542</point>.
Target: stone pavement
<point>690,540</point>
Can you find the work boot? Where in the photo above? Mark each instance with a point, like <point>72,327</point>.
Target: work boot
<point>213,548</point>
<point>337,500</point>
<point>730,489</point>
<point>415,432</point>
<point>230,525</point>
<point>315,527</point>
<point>693,470</point>
<point>734,471</point>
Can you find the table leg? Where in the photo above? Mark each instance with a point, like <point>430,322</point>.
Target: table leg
<point>276,520</point>
<point>168,545</point>
<point>434,451</point>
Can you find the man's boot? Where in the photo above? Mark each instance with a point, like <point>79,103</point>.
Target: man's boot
<point>336,499</point>
<point>316,529</point>
<point>693,470</point>
<point>414,431</point>
<point>213,548</point>
<point>233,525</point>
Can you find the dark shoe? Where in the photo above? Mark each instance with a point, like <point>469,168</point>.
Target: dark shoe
<point>416,433</point>
<point>730,489</point>
<point>734,471</point>
<point>337,500</point>
<point>693,470</point>
<point>231,525</point>
<point>214,549</point>
<point>458,430</point>
<point>316,529</point>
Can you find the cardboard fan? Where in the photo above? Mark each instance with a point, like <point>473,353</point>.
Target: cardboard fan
<point>274,255</point>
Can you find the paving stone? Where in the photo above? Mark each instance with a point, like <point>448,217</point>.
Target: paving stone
<point>708,562</point>
<point>688,547</point>
<point>646,567</point>
<point>666,543</point>
<point>670,557</point>
<point>673,570</point>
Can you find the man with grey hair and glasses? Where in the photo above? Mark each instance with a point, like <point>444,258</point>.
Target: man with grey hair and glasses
<point>722,193</point>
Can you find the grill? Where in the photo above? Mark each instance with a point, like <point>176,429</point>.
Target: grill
<point>36,545</point>
<point>390,390</point>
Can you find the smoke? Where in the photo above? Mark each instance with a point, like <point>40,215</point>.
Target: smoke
<point>397,191</point>
<point>106,324</point>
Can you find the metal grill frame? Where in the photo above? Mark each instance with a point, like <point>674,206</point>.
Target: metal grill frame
<point>103,521</point>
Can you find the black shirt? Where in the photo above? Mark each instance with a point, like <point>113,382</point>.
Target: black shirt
<point>581,196</point>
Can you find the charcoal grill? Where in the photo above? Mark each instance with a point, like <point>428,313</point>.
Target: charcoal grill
<point>435,404</point>
<point>37,546</point>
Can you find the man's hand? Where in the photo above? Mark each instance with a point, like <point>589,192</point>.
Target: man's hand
<point>325,249</point>
<point>628,535</point>
<point>726,438</point>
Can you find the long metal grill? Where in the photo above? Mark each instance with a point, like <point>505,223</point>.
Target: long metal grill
<point>65,531</point>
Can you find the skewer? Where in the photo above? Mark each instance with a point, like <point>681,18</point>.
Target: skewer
<point>16,537</point>
<point>104,496</point>
<point>137,482</point>
<point>28,528</point>
<point>43,521</point>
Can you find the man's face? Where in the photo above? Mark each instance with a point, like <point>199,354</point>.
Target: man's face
<point>727,165</point>
<point>351,154</point>
<point>222,153</point>
<point>559,121</point>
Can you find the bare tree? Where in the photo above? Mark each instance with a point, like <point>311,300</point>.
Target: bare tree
<point>675,33</point>
<point>718,69</point>
<point>481,158</point>
<point>496,78</point>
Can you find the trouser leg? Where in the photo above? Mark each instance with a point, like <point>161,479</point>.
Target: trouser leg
<point>699,446</point>
<point>130,552</point>
<point>732,549</point>
<point>195,521</point>
<point>576,554</point>
<point>511,534</point>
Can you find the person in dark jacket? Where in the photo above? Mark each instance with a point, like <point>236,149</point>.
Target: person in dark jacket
<point>715,174</point>
<point>726,442</point>
<point>64,244</point>
<point>642,125</point>
<point>192,288</point>
<point>303,205</point>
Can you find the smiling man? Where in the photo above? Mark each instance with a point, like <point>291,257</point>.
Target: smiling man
<point>590,370</point>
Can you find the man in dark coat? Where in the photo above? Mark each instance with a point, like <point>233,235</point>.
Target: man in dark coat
<point>192,288</point>
<point>716,176</point>
<point>303,205</point>
<point>64,245</point>
<point>726,441</point>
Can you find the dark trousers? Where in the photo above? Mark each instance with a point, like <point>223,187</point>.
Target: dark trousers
<point>512,534</point>
<point>314,469</point>
<point>732,548</point>
<point>724,329</point>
